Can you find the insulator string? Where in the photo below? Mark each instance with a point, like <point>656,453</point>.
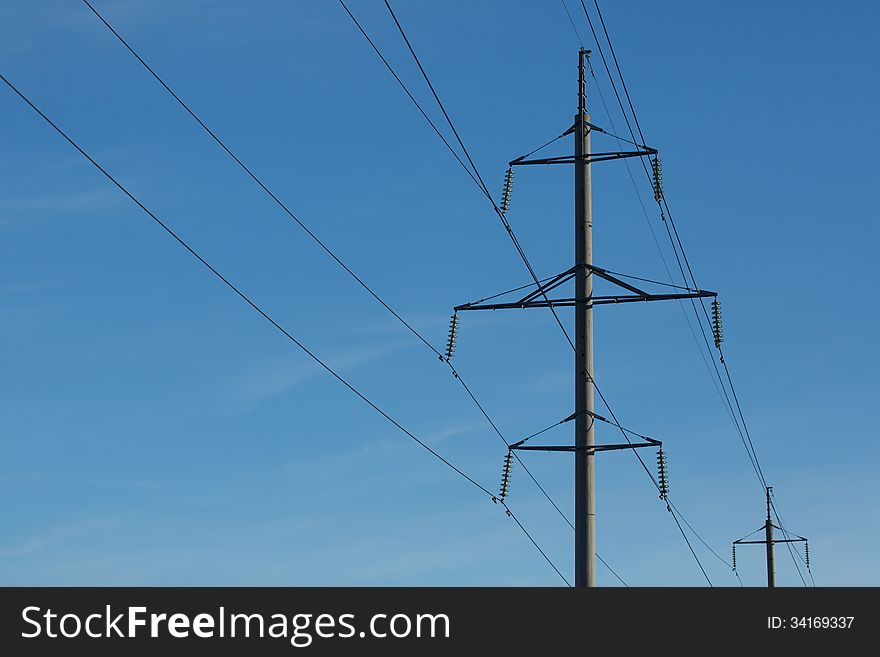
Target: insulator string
<point>453,336</point>
<point>505,476</point>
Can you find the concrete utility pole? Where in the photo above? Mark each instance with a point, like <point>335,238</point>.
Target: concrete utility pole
<point>585,485</point>
<point>768,536</point>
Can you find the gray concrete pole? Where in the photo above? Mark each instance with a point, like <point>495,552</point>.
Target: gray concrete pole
<point>771,558</point>
<point>585,503</point>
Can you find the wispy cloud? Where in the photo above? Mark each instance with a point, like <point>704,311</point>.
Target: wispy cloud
<point>14,289</point>
<point>51,536</point>
<point>548,382</point>
<point>368,560</point>
<point>455,430</point>
<point>73,203</point>
<point>64,482</point>
<point>24,319</point>
<point>429,325</point>
<point>263,381</point>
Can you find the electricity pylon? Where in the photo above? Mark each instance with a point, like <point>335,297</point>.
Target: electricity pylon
<point>583,274</point>
<point>770,541</point>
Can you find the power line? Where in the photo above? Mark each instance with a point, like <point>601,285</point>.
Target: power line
<point>169,231</point>
<point>538,547</point>
<point>617,66</point>
<point>670,506</point>
<point>507,444</point>
<point>654,481</point>
<point>744,437</point>
<point>439,102</point>
<point>231,285</point>
<point>743,433</point>
<point>571,22</point>
<point>480,183</point>
<point>312,235</point>
<point>408,93</point>
<point>740,411</point>
<point>479,178</point>
<point>700,538</point>
<point>605,64</point>
<point>791,553</point>
<point>565,517</point>
<point>690,547</point>
<point>750,448</point>
<point>681,305</point>
<point>605,563</point>
<point>747,439</point>
<point>259,182</point>
<point>474,175</point>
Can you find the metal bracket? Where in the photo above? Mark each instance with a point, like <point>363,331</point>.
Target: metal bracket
<point>591,158</point>
<point>775,540</point>
<point>589,450</point>
<point>534,298</point>
<point>798,539</point>
<point>649,442</point>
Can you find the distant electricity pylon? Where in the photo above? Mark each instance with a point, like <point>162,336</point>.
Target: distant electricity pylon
<point>769,541</point>
<point>583,274</point>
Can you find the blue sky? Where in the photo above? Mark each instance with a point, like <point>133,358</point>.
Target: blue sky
<point>154,430</point>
